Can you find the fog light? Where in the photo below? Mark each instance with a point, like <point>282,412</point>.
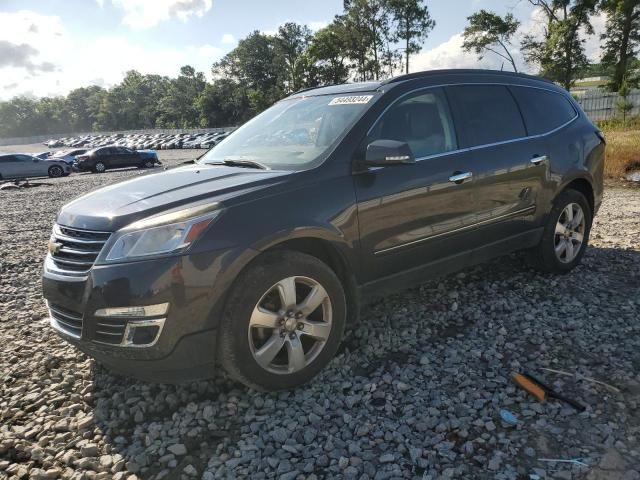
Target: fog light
<point>143,333</point>
<point>135,312</point>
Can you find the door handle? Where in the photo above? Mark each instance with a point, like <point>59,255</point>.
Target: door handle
<point>460,177</point>
<point>538,159</point>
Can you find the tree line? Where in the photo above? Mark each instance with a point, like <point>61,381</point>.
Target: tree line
<point>559,52</point>
<point>369,40</point>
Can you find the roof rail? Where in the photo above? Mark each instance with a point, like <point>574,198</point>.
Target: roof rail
<point>428,73</point>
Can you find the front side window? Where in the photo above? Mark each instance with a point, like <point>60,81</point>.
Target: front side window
<point>485,114</point>
<point>295,133</point>
<point>422,120</point>
<point>543,110</point>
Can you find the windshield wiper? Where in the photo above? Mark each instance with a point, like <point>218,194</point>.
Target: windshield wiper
<point>240,162</point>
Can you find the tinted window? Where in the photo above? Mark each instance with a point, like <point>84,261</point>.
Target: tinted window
<point>543,110</point>
<point>7,159</point>
<point>422,120</point>
<point>485,114</point>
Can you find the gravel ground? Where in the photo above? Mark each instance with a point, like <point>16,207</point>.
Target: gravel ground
<point>415,392</point>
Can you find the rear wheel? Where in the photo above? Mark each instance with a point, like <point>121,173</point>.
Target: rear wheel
<point>283,322</point>
<point>99,167</point>
<point>566,234</point>
<point>55,171</point>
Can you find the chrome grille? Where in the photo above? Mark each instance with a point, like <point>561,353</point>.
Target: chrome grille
<point>66,320</point>
<point>110,330</point>
<point>76,250</point>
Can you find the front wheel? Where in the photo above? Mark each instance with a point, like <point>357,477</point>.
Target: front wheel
<point>283,322</point>
<point>565,235</point>
<point>55,171</point>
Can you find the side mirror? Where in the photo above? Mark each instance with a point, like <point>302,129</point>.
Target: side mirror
<point>381,153</point>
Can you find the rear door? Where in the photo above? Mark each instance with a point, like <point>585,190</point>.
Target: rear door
<point>410,215</point>
<point>509,167</point>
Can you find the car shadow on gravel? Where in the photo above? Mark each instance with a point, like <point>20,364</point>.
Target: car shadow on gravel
<point>432,362</point>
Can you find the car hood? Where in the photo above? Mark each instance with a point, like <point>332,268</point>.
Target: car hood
<point>113,207</point>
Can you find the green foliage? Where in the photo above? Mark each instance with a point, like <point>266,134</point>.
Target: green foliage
<point>624,105</point>
<point>413,25</point>
<point>489,32</point>
<point>560,53</point>
<point>621,39</point>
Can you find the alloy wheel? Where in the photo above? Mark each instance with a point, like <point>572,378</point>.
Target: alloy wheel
<point>569,233</point>
<point>100,167</point>
<point>55,172</point>
<point>290,325</point>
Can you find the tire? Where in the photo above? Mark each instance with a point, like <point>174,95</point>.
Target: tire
<point>242,341</point>
<point>55,171</point>
<point>148,163</point>
<point>99,167</point>
<point>550,256</point>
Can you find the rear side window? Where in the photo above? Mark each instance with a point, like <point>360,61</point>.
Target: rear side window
<point>422,120</point>
<point>543,110</point>
<point>485,114</point>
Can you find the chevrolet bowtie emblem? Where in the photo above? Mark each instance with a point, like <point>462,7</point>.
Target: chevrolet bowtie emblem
<point>54,247</point>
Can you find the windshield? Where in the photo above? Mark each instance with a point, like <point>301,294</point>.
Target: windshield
<point>294,134</point>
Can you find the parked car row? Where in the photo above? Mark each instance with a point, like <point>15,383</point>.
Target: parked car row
<point>63,162</point>
<point>137,141</point>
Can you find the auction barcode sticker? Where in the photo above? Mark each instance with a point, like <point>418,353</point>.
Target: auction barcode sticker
<point>355,99</point>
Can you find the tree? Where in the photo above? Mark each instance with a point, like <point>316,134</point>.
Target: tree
<point>624,105</point>
<point>413,25</point>
<point>177,108</point>
<point>257,67</point>
<point>489,32</point>
<point>560,53</point>
<point>328,52</point>
<point>292,41</point>
<point>622,37</point>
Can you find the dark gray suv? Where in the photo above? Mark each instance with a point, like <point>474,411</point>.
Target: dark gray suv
<point>259,255</point>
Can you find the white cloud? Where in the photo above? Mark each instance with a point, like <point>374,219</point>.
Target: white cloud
<point>140,14</point>
<point>451,55</point>
<point>228,39</point>
<point>100,61</point>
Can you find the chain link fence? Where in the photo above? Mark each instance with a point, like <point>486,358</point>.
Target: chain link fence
<point>602,105</point>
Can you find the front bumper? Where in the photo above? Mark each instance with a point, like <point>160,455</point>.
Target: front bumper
<point>186,345</point>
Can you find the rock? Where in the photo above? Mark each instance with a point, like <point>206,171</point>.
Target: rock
<point>177,449</point>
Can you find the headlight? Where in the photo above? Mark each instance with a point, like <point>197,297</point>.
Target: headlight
<point>160,235</point>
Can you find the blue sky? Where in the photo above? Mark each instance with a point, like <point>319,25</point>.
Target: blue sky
<point>49,47</point>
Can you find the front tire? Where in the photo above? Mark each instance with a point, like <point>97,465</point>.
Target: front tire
<point>565,235</point>
<point>55,171</point>
<point>149,163</point>
<point>283,321</point>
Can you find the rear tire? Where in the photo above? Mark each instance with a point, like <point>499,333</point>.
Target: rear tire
<point>565,235</point>
<point>302,302</point>
<point>55,171</point>
<point>99,167</point>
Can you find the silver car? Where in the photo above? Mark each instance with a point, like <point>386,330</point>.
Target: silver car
<point>20,165</point>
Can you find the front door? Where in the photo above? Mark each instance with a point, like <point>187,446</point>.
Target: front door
<point>410,215</point>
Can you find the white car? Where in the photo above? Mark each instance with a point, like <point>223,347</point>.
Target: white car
<point>21,165</point>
